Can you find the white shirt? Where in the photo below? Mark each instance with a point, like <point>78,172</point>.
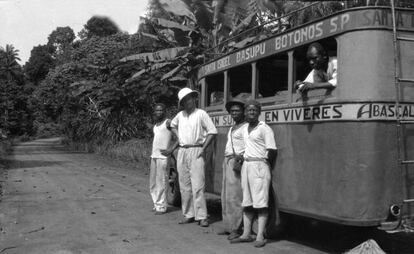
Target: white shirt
<point>238,141</point>
<point>162,137</point>
<point>258,141</point>
<point>329,76</point>
<point>194,128</point>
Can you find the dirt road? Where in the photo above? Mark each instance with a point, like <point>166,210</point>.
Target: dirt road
<point>57,201</point>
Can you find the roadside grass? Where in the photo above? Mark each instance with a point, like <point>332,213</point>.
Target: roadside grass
<point>137,150</point>
<point>133,150</point>
<point>5,147</point>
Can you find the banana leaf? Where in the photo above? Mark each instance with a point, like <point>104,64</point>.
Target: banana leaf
<point>171,24</point>
<point>162,55</point>
<point>177,7</point>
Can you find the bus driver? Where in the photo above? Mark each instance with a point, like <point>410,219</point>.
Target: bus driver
<point>324,70</point>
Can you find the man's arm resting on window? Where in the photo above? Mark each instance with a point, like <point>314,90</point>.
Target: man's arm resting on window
<point>306,86</point>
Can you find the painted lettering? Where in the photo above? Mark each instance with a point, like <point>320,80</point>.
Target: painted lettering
<point>377,18</point>
<point>286,114</point>
<point>367,18</point>
<point>298,113</point>
<point>334,26</point>
<point>338,113</point>
<point>267,116</point>
<point>315,113</point>
<point>216,121</point>
<point>251,52</point>
<point>318,28</point>
<point>325,112</point>
<point>275,116</point>
<point>306,115</point>
<point>344,20</point>
<point>364,110</point>
<point>224,62</point>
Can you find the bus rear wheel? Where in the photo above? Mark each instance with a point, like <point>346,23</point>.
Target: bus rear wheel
<point>173,187</point>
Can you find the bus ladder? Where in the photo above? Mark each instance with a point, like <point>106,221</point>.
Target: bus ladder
<point>403,162</point>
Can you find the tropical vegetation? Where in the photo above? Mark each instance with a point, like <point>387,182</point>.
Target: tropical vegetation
<point>99,88</point>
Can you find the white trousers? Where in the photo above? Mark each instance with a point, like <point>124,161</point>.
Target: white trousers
<point>192,183</point>
<point>158,182</point>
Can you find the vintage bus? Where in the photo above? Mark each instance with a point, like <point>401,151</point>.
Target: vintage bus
<point>344,155</point>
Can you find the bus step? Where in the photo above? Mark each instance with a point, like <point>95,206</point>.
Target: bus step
<point>407,121</point>
<point>407,162</point>
<point>406,80</point>
<point>408,200</point>
<point>401,38</point>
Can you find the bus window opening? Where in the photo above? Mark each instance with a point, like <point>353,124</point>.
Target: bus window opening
<point>215,89</point>
<point>273,76</point>
<point>316,66</point>
<point>240,79</point>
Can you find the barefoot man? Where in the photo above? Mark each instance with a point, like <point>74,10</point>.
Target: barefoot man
<point>255,175</point>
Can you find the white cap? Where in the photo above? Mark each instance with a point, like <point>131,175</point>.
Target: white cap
<point>184,92</point>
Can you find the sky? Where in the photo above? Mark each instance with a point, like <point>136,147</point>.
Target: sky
<point>28,23</point>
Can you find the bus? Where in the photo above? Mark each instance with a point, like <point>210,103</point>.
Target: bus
<point>343,153</point>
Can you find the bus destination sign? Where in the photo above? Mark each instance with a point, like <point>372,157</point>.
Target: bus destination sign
<point>357,19</point>
<point>329,112</point>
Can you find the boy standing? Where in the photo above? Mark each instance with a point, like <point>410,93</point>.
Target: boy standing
<point>159,159</point>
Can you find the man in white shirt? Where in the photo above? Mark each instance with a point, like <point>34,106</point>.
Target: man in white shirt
<point>195,131</point>
<point>324,70</point>
<point>159,159</point>
<point>260,151</point>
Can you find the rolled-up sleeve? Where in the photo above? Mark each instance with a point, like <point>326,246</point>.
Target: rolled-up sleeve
<point>208,124</point>
<point>332,71</point>
<point>174,121</point>
<point>269,138</point>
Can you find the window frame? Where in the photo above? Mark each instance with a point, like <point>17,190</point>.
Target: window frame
<point>318,94</point>
<point>276,99</point>
<point>205,99</point>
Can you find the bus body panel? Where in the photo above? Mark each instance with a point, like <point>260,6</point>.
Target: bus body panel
<point>338,170</point>
<point>370,74</point>
<point>343,170</point>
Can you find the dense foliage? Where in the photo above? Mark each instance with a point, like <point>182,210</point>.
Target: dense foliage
<point>14,92</point>
<point>100,88</point>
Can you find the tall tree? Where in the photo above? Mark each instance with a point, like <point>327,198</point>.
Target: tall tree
<point>9,67</point>
<point>13,95</point>
<point>61,40</point>
<point>39,63</point>
<point>98,26</point>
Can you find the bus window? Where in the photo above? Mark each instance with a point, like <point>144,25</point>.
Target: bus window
<point>303,68</point>
<point>273,77</point>
<point>240,80</point>
<point>215,89</point>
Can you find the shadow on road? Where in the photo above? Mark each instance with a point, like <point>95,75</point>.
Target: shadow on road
<point>334,238</point>
<point>18,164</point>
<point>329,237</point>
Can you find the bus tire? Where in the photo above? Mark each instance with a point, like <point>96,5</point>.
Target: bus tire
<point>173,187</point>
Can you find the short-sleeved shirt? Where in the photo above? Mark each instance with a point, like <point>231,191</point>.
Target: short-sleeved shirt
<point>258,141</point>
<point>321,76</point>
<point>193,128</point>
<point>238,141</point>
<point>162,137</point>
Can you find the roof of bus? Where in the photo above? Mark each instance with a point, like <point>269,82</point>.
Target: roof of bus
<point>352,19</point>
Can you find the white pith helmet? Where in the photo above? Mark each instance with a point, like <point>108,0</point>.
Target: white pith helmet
<point>184,92</point>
